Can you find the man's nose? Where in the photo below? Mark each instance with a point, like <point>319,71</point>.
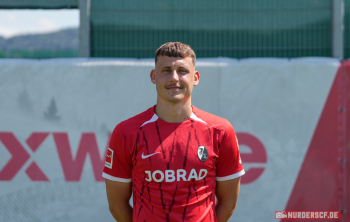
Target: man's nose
<point>175,76</point>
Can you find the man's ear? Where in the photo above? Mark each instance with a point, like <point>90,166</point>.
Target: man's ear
<point>197,76</point>
<point>153,76</point>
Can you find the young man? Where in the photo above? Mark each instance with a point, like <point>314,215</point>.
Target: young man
<point>173,157</point>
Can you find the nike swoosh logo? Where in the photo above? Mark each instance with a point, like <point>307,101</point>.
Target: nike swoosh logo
<point>144,157</point>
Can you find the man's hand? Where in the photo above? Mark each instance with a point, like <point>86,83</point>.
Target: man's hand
<point>227,194</point>
<point>118,195</point>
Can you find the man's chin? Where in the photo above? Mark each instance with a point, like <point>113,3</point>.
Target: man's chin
<point>175,98</point>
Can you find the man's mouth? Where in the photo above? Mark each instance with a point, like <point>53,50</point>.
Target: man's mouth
<point>173,88</point>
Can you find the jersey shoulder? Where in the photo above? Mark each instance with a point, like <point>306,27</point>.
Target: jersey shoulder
<point>211,119</point>
<point>134,123</point>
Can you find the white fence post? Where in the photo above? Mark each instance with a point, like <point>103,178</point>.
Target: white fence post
<point>84,30</point>
<point>337,28</point>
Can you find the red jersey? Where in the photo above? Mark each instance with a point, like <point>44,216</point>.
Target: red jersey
<point>173,167</point>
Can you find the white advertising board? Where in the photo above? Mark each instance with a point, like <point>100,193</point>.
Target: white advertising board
<point>56,116</point>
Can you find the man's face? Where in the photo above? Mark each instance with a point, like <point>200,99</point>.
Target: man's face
<point>174,78</point>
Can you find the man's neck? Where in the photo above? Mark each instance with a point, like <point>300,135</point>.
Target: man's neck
<point>174,112</point>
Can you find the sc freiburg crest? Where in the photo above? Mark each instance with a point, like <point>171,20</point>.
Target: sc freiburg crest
<point>202,153</point>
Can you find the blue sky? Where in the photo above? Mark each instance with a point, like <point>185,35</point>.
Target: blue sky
<point>16,22</point>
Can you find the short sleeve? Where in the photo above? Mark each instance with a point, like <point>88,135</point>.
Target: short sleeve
<point>229,165</point>
<point>118,163</point>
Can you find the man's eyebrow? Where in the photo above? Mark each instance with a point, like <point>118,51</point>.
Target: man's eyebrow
<point>166,67</point>
<point>184,67</point>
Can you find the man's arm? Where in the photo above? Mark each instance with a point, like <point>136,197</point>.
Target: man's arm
<point>118,195</point>
<point>226,194</point>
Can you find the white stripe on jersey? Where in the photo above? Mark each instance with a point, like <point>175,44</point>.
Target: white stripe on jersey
<point>193,116</point>
<point>109,177</point>
<point>230,177</point>
<point>153,119</point>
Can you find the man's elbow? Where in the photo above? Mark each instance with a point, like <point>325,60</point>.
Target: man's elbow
<point>233,207</point>
<point>230,208</point>
<point>115,211</point>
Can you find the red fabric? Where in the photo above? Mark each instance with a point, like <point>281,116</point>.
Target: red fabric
<point>158,154</point>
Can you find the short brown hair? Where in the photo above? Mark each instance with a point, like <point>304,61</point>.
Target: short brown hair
<point>175,49</point>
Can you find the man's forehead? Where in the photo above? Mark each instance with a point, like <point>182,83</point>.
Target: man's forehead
<point>164,61</point>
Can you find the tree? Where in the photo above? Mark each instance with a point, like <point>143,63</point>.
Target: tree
<point>51,113</point>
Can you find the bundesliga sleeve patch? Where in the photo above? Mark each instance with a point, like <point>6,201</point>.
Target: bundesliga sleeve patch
<point>109,158</point>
